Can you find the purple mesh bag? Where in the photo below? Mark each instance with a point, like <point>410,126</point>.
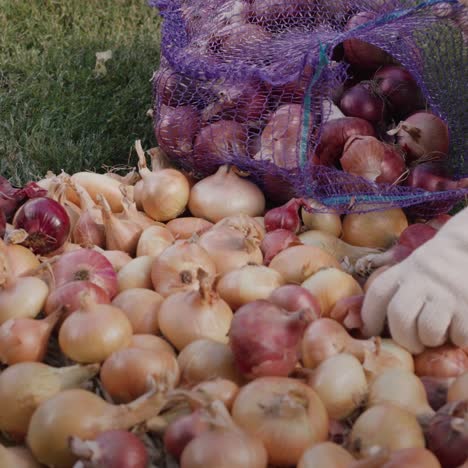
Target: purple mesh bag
<point>250,83</point>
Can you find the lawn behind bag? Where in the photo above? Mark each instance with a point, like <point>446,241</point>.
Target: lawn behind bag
<point>57,110</point>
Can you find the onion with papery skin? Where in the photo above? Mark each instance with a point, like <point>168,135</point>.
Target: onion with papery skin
<point>362,54</point>
<point>164,192</point>
<point>82,414</point>
<point>19,457</point>
<point>46,223</point>
<point>224,446</point>
<point>117,258</point>
<point>387,356</point>
<point>285,216</point>
<point>325,337</point>
<point>184,429</point>
<point>265,339</point>
<point>130,212</point>
<point>231,249</point>
<point>342,251</point>
<point>124,374</point>
<point>225,194</point>
<point>185,228</point>
<point>432,176</point>
<point>325,455</point>
<point>375,229</point>
<point>247,284</point>
<point>111,449</point>
<point>374,160</point>
<point>120,234</point>
<point>151,342</point>
<point>85,265</point>
<point>385,426</point>
<point>458,389</point>
<point>297,263</point>
<point>423,134</point>
<point>335,133</point>
<point>89,229</point>
<point>190,315</point>
<point>66,298</point>
<point>447,434</point>
<point>437,390</point>
<point>275,242</point>
<point>96,184</point>
<point>176,268</point>
<point>399,89</point>
<point>154,240</point>
<point>26,339</point>
<point>20,260</point>
<point>443,362</point>
<point>176,128</point>
<point>329,285</point>
<point>341,384</point>
<point>141,307</point>
<point>136,274</point>
<point>404,458</point>
<point>361,101</point>
<point>285,414</point>
<point>207,359</point>
<point>92,333</point>
<point>22,297</point>
<point>322,221</point>
<point>218,389</point>
<point>220,140</point>
<point>279,140</point>
<point>292,297</point>
<point>24,386</point>
<point>401,388</point>
<point>347,311</point>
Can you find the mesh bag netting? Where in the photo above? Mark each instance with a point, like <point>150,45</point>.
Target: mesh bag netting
<point>251,82</point>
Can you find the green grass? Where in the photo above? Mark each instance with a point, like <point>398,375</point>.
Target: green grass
<point>55,111</point>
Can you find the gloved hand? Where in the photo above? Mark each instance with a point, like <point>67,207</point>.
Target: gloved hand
<point>425,297</point>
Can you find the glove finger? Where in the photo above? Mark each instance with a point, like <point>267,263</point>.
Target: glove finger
<point>374,307</point>
<point>403,312</point>
<point>459,329</point>
<point>434,319</point>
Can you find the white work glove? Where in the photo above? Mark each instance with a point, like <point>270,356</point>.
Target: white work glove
<point>425,297</point>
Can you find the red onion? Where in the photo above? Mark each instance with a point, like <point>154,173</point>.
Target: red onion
<point>360,53</point>
<point>400,90</point>
<point>176,128</point>
<point>46,222</point>
<point>111,449</point>
<point>265,339</point>
<point>443,362</point>
<point>67,297</point>
<point>220,139</point>
<point>447,434</point>
<point>436,391</point>
<point>431,176</point>
<point>280,137</point>
<point>423,134</point>
<point>181,431</point>
<point>86,265</point>
<point>361,101</point>
<point>177,90</point>
<point>276,241</point>
<point>285,217</point>
<point>293,91</point>
<point>292,297</point>
<point>12,198</point>
<point>242,102</point>
<point>335,133</point>
<point>367,157</point>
